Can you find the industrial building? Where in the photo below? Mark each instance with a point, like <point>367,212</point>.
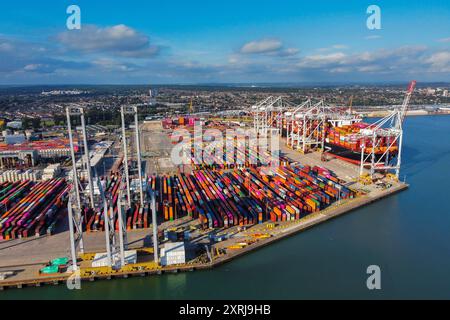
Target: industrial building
<point>30,153</point>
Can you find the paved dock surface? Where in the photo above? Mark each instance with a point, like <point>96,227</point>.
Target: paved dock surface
<point>156,149</point>
<point>27,256</point>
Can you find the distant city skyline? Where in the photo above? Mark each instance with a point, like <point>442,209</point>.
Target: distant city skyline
<point>181,42</point>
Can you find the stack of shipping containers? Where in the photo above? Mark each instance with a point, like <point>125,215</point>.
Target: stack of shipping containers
<point>29,208</point>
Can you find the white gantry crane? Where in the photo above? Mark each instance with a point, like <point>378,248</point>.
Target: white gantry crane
<point>75,203</point>
<point>292,122</point>
<point>154,226</point>
<point>134,111</point>
<point>268,114</point>
<point>382,141</point>
<point>115,243</point>
<point>79,111</point>
<point>75,228</point>
<point>305,125</point>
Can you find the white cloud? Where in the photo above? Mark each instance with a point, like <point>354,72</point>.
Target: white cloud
<point>261,46</point>
<point>268,47</point>
<point>333,47</point>
<point>120,39</point>
<point>32,67</point>
<point>444,40</point>
<point>372,37</point>
<point>233,59</point>
<point>340,46</point>
<point>5,47</point>
<point>369,68</point>
<point>340,70</point>
<point>112,65</point>
<point>39,68</point>
<point>320,60</point>
<point>412,59</point>
<point>288,52</point>
<point>439,61</point>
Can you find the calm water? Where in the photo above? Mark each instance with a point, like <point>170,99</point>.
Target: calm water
<point>407,235</point>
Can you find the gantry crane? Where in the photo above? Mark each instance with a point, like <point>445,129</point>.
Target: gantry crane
<point>134,111</point>
<point>350,105</point>
<point>79,111</point>
<point>191,107</point>
<point>389,129</point>
<point>269,114</point>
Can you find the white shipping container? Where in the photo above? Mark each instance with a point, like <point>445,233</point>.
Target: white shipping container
<point>173,253</point>
<point>101,259</point>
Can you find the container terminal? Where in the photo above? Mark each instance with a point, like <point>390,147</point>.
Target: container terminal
<point>124,207</point>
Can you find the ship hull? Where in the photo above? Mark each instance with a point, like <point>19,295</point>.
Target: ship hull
<point>347,154</point>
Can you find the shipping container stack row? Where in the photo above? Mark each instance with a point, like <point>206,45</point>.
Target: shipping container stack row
<point>134,218</point>
<point>349,137</point>
<point>171,199</point>
<point>201,195</point>
<point>93,219</point>
<point>293,192</point>
<point>247,195</point>
<point>117,166</point>
<point>276,121</point>
<point>29,208</point>
<point>233,154</point>
<point>180,121</point>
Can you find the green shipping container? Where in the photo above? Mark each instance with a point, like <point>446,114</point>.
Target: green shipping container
<point>50,269</point>
<point>60,261</point>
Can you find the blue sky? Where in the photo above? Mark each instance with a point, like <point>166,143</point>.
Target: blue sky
<point>223,41</point>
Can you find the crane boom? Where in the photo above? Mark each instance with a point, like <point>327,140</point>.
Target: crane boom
<point>404,108</point>
<point>350,107</point>
<point>191,107</point>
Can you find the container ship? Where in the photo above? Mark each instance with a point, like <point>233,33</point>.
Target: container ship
<point>349,141</point>
<point>346,142</point>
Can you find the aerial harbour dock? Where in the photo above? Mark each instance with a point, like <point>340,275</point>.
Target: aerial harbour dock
<point>145,214</point>
<point>26,270</point>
